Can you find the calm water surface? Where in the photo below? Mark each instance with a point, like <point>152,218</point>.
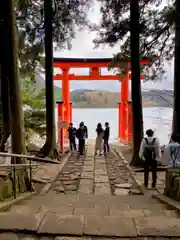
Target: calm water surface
<point>159,119</point>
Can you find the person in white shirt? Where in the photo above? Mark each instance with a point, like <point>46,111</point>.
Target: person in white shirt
<point>149,152</point>
<point>171,155</point>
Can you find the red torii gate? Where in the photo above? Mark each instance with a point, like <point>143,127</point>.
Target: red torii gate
<point>95,64</point>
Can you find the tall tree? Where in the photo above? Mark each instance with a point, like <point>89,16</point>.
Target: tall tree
<point>49,149</point>
<point>17,121</point>
<point>156,31</point>
<point>56,22</point>
<point>156,38</point>
<point>136,96</point>
<point>4,84</point>
<point>5,100</point>
<point>176,108</point>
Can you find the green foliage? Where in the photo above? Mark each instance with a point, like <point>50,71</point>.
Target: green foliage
<point>156,31</point>
<point>67,16</point>
<point>76,97</point>
<point>34,103</point>
<point>57,93</point>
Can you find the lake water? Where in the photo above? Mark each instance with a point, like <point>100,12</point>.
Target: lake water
<point>159,119</point>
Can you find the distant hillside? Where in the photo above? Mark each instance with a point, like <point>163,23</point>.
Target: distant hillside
<point>85,98</point>
<point>105,99</point>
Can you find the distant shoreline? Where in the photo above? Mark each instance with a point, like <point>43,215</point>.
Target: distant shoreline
<point>117,107</point>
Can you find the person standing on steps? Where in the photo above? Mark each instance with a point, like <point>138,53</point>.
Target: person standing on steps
<point>81,135</point>
<point>150,151</point>
<point>99,139</point>
<point>72,137</point>
<point>86,133</point>
<point>171,155</point>
<point>106,138</point>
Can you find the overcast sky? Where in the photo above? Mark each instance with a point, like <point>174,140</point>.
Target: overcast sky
<point>83,47</point>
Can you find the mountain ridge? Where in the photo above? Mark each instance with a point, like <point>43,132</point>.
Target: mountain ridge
<point>89,98</point>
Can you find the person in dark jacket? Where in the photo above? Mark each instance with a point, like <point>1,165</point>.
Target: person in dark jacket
<point>72,137</point>
<point>86,130</point>
<point>86,133</point>
<point>106,137</point>
<point>81,135</point>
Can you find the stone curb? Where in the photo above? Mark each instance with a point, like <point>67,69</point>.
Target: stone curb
<point>61,165</point>
<point>141,188</point>
<point>170,202</point>
<point>8,203</point>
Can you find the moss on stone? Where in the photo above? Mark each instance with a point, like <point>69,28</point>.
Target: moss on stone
<point>7,190</point>
<point>7,185</point>
<point>173,183</point>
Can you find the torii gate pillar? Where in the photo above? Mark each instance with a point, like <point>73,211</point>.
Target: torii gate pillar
<point>124,107</point>
<point>70,111</point>
<point>66,95</point>
<point>125,112</point>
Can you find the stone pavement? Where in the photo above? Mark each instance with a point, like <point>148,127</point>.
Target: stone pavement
<point>139,176</point>
<point>101,215</point>
<point>92,209</point>
<point>120,177</point>
<point>69,178</point>
<point>94,178</point>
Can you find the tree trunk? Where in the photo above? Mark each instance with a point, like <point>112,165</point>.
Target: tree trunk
<point>16,110</point>
<point>137,116</point>
<point>49,149</point>
<point>4,88</point>
<point>6,122</point>
<point>176,108</point>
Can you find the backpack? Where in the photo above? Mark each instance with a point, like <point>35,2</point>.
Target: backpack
<point>149,150</point>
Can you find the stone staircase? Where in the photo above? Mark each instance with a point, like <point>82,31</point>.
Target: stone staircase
<point>100,215</point>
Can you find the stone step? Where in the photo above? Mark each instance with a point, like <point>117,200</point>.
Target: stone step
<point>69,206</point>
<point>101,212</point>
<point>96,200</point>
<point>56,223</point>
<point>88,208</point>
<point>136,202</point>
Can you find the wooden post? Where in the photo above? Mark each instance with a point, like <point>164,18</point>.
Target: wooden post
<point>60,130</point>
<point>129,121</point>
<point>119,120</point>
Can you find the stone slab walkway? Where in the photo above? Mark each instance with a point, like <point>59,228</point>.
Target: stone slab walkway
<point>139,176</point>
<point>101,215</point>
<point>121,180</point>
<point>92,209</point>
<point>68,179</point>
<point>94,177</point>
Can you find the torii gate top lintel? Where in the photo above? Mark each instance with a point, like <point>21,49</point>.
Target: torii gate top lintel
<point>90,62</point>
<point>95,64</point>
